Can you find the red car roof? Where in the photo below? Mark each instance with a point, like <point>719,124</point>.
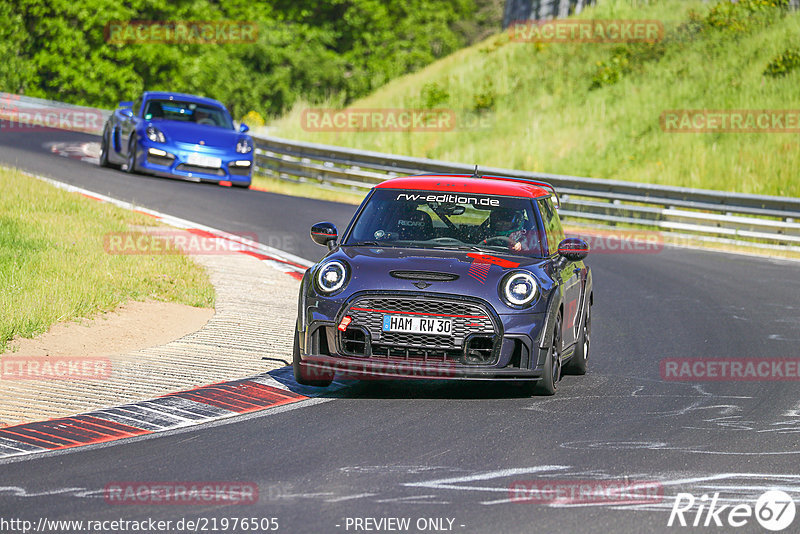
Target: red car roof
<point>449,183</point>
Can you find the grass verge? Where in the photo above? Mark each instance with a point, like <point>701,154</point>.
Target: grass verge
<point>590,109</point>
<point>307,189</point>
<point>53,266</point>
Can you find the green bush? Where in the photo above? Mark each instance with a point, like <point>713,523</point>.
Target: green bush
<point>611,71</point>
<point>741,16</point>
<point>433,95</point>
<point>484,99</point>
<point>309,50</point>
<point>783,63</point>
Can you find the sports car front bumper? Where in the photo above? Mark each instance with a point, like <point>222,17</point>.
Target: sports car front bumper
<point>482,346</point>
<point>397,369</point>
<point>195,163</point>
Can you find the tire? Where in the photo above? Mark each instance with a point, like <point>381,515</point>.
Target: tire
<point>302,375</point>
<point>130,168</point>
<point>548,384</point>
<point>577,364</point>
<point>104,149</point>
<point>242,185</point>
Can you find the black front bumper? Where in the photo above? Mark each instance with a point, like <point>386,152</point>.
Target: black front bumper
<point>360,368</point>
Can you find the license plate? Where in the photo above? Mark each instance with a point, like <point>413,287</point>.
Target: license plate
<point>412,324</point>
<point>204,161</point>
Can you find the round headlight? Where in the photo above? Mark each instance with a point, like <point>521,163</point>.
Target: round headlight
<point>519,289</point>
<point>331,276</point>
<point>155,135</point>
<point>243,146</point>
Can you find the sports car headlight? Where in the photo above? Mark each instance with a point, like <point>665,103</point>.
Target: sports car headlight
<point>243,146</point>
<point>331,277</point>
<point>519,289</point>
<point>155,135</point>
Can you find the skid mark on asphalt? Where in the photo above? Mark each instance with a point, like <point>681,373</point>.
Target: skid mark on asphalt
<point>694,407</point>
<point>502,487</point>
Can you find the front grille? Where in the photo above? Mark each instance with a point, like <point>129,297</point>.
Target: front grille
<point>416,340</point>
<point>200,170</point>
<point>160,160</point>
<point>470,319</point>
<point>422,305</point>
<point>235,170</point>
<point>392,352</point>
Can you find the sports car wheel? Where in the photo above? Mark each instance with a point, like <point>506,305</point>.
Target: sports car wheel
<point>577,364</point>
<point>548,384</point>
<point>131,163</point>
<point>104,149</point>
<point>305,376</point>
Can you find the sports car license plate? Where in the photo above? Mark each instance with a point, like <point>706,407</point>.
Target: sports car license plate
<point>204,161</point>
<point>417,325</point>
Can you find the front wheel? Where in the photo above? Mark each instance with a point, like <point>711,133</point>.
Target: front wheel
<point>548,384</point>
<point>577,364</point>
<point>104,149</point>
<point>131,162</point>
<point>305,376</point>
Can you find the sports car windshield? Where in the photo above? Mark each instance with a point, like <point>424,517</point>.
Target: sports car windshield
<point>445,220</point>
<point>176,110</point>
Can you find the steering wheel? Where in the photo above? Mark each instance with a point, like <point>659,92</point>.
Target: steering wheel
<point>497,241</point>
<point>207,122</point>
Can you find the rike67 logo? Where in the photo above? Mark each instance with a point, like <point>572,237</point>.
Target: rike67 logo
<point>774,510</point>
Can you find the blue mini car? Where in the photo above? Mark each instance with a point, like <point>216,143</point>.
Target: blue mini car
<point>179,136</point>
<point>447,277</point>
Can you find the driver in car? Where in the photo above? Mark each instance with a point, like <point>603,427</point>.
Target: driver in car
<point>509,226</point>
<point>203,117</point>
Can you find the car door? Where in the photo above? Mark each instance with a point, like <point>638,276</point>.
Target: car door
<point>567,273</point>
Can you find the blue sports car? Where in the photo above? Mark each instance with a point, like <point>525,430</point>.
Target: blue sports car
<point>456,277</point>
<point>179,136</point>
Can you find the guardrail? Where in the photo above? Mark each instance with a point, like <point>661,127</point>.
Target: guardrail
<point>750,220</point>
<point>18,112</point>
<point>706,215</point>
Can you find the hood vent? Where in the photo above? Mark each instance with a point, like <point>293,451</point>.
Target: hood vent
<point>429,276</point>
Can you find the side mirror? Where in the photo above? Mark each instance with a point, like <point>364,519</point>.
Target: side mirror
<point>243,128</point>
<point>325,234</point>
<point>573,248</point>
<point>127,113</point>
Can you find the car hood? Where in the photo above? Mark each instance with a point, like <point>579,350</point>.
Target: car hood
<point>189,132</point>
<point>375,268</point>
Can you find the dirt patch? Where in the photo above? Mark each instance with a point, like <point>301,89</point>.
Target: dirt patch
<point>132,326</point>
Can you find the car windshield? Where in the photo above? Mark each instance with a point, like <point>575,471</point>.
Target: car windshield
<point>444,220</point>
<point>176,110</point>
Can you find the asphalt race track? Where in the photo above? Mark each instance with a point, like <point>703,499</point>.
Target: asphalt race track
<point>427,450</point>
